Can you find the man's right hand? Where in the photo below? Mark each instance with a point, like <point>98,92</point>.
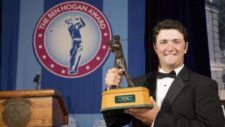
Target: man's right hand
<point>113,77</point>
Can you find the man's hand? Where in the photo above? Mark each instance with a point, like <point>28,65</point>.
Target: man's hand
<point>113,77</point>
<point>147,116</point>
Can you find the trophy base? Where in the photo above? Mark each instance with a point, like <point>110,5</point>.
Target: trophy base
<point>123,98</point>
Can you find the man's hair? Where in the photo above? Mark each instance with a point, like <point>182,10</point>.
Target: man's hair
<point>170,24</point>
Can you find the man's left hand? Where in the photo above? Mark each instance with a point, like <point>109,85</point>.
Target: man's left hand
<point>147,116</point>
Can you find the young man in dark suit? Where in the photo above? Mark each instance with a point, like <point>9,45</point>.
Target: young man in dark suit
<point>182,99</point>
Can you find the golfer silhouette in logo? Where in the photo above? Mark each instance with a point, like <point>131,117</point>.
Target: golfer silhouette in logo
<point>74,26</point>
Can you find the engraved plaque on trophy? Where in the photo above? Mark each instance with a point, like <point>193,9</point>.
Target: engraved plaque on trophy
<point>122,98</point>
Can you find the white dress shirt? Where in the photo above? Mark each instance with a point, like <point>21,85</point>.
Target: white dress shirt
<point>162,87</point>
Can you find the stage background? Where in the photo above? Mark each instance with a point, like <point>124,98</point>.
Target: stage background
<point>133,20</point>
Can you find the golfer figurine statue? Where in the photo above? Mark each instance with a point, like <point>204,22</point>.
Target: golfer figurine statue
<point>119,62</point>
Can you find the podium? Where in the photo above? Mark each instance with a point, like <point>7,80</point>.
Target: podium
<point>32,108</point>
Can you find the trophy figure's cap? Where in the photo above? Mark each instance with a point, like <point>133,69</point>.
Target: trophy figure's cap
<point>117,37</point>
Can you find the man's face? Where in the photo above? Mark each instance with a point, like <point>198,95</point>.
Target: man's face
<point>170,48</point>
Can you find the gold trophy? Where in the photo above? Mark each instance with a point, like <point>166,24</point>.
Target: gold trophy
<point>122,98</point>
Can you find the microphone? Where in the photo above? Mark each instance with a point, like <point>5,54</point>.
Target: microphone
<point>36,80</point>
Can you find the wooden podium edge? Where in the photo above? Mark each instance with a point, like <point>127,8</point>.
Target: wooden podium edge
<point>30,93</point>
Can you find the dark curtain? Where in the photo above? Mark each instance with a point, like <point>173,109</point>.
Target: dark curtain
<point>191,13</point>
<point>0,37</point>
<point>9,23</point>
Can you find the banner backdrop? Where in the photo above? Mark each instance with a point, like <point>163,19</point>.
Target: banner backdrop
<point>45,37</point>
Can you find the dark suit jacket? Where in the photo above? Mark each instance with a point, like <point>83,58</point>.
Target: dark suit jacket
<point>191,101</point>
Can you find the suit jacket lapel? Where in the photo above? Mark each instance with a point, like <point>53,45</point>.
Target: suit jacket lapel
<point>178,84</point>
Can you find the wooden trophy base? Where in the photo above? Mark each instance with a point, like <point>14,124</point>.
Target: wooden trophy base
<point>123,98</point>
